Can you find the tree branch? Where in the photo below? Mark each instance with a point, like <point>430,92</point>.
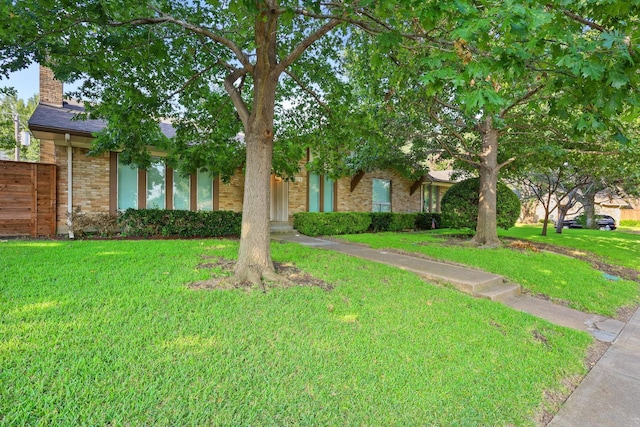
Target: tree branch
<point>304,45</point>
<point>308,90</point>
<point>520,101</point>
<point>240,55</point>
<point>236,97</point>
<point>584,21</point>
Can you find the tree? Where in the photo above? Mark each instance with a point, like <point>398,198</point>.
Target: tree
<point>213,67</point>
<point>492,70</point>
<point>11,107</point>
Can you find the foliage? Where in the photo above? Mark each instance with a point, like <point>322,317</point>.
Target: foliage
<point>331,223</point>
<point>164,222</point>
<point>81,224</point>
<point>10,105</point>
<point>392,221</point>
<point>563,279</point>
<point>630,223</point>
<point>460,205</point>
<point>488,83</point>
<point>122,340</point>
<point>428,221</point>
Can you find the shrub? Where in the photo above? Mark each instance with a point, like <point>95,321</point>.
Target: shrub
<point>428,221</point>
<point>403,221</point>
<point>380,221</point>
<point>329,223</point>
<point>81,224</point>
<point>391,221</point>
<point>630,223</point>
<point>460,205</point>
<point>163,222</point>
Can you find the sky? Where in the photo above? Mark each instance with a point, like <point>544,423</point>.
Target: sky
<point>27,82</point>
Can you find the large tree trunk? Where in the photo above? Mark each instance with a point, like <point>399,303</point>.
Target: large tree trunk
<point>487,228</point>
<point>254,256</point>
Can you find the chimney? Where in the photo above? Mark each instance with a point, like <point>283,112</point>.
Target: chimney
<point>50,88</point>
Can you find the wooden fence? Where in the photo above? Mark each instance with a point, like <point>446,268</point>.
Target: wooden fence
<point>27,199</point>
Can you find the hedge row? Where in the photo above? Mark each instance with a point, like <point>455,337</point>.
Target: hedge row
<point>333,223</point>
<point>630,223</point>
<point>163,222</point>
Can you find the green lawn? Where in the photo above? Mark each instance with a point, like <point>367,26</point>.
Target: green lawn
<point>617,247</point>
<point>557,276</point>
<point>108,333</point>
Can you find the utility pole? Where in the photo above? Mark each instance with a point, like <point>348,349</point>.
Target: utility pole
<point>16,122</point>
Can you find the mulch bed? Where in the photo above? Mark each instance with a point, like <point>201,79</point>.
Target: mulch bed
<point>293,275</point>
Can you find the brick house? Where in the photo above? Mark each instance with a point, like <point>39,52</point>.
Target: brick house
<point>101,184</point>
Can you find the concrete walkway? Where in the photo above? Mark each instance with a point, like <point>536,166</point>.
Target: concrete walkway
<point>608,396</point>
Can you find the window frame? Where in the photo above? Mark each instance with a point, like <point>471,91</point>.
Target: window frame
<point>389,196</point>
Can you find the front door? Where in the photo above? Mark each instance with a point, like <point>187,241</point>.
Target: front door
<point>279,199</point>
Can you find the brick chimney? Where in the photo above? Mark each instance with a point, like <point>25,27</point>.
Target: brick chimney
<point>50,88</point>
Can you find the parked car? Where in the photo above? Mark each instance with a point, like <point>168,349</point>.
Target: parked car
<point>570,223</point>
<point>605,222</point>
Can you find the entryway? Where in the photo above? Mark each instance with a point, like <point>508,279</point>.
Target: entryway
<point>279,199</point>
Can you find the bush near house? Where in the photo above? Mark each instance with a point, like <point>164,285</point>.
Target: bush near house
<point>390,221</point>
<point>329,223</point>
<point>334,223</point>
<point>630,223</point>
<point>460,205</point>
<point>164,222</point>
<point>428,221</point>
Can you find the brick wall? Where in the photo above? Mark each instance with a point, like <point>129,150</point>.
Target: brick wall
<point>50,88</point>
<point>298,192</point>
<point>231,194</point>
<point>90,183</point>
<point>47,151</point>
<point>361,197</point>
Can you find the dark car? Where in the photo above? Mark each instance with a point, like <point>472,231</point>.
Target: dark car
<point>605,222</point>
<point>570,223</point>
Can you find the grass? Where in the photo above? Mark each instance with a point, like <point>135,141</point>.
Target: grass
<point>617,247</point>
<point>556,276</point>
<point>107,332</point>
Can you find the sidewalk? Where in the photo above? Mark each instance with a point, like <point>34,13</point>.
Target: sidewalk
<point>608,396</point>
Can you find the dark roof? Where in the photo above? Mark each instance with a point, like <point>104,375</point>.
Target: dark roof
<point>49,118</point>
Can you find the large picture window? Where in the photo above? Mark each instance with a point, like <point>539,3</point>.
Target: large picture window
<point>156,185</point>
<point>181,192</point>
<point>127,186</point>
<point>381,198</point>
<point>321,193</point>
<point>205,191</point>
<point>159,187</point>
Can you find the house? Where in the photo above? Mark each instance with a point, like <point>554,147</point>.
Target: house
<point>101,184</point>
<point>605,203</point>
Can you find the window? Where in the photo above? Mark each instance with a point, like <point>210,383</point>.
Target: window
<point>181,192</point>
<point>205,191</point>
<point>156,185</point>
<point>432,196</point>
<point>314,192</point>
<point>127,186</point>
<point>321,193</point>
<point>381,195</point>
